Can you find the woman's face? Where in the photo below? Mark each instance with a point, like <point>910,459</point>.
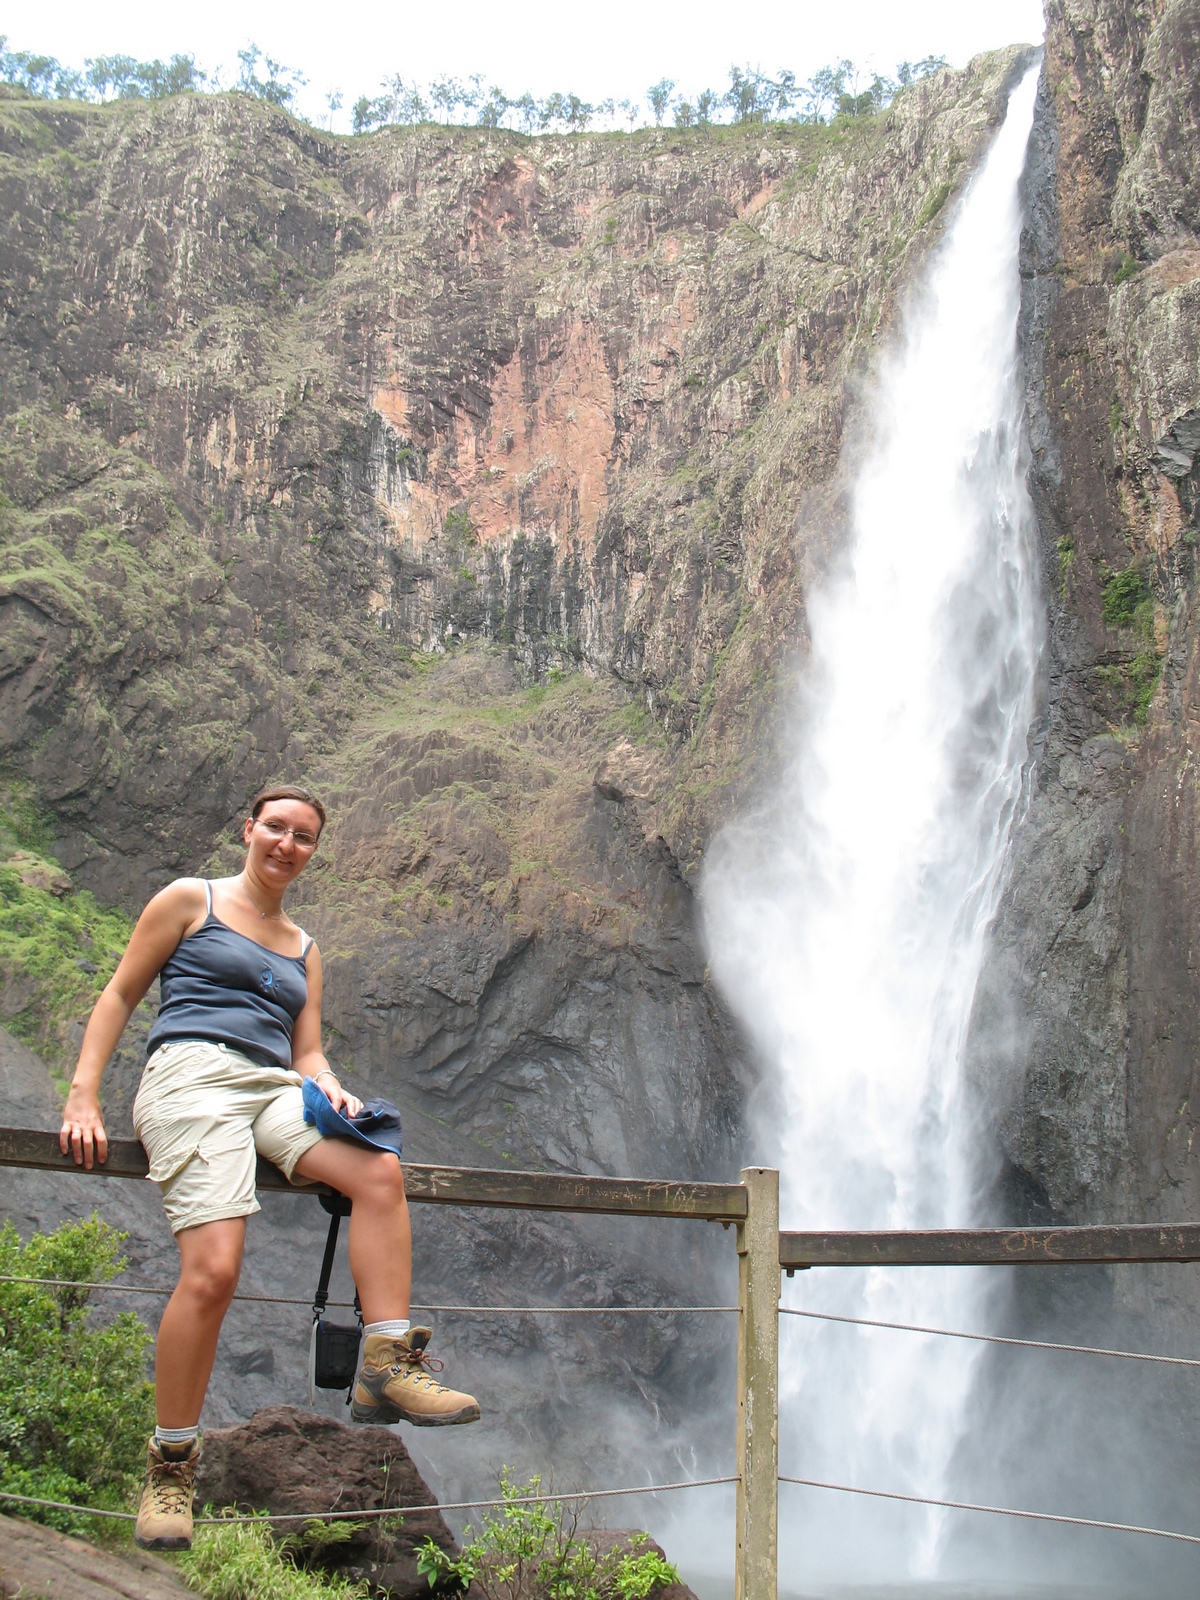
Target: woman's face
<point>280,841</point>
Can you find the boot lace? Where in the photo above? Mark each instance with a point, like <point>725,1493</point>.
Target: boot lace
<point>418,1364</point>
<point>171,1485</point>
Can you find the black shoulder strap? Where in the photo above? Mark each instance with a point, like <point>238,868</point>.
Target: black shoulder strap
<point>322,1294</point>
<point>338,1206</point>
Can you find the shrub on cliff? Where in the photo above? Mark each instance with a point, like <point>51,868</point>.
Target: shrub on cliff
<point>1126,601</point>
<point>536,1552</point>
<point>75,1405</point>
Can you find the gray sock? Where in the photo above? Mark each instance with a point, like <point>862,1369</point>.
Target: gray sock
<point>176,1443</point>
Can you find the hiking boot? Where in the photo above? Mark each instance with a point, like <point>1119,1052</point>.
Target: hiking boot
<point>165,1515</point>
<point>396,1384</point>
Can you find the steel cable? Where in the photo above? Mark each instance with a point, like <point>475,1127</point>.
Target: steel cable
<point>645,1311</point>
<point>284,1300</point>
<point>383,1511</point>
<point>993,1338</point>
<point>998,1511</point>
<point>602,1494</point>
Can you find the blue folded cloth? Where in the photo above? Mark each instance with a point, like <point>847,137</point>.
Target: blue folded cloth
<point>377,1124</point>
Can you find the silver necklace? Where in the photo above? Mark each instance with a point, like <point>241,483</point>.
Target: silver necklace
<point>267,916</point>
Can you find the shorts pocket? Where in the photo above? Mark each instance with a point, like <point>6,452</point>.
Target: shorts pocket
<point>169,1163</point>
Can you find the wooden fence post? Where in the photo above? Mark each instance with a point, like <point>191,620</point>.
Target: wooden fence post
<point>756,1557</point>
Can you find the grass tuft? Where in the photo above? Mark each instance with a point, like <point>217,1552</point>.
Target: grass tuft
<point>241,1561</point>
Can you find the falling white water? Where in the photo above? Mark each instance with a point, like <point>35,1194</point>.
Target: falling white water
<point>847,920</point>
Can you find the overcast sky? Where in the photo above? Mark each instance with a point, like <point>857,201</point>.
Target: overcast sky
<point>616,48</point>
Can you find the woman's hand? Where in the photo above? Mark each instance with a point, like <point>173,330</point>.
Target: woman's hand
<point>349,1105</point>
<point>83,1128</point>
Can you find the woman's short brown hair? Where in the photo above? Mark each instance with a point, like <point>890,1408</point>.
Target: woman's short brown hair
<point>288,791</point>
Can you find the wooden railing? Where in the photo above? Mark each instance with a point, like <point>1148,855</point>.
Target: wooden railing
<point>453,1186</point>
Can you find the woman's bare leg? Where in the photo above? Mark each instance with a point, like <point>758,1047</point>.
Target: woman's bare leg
<point>210,1259</point>
<point>380,1239</point>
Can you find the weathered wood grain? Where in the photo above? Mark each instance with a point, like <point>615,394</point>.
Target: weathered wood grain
<point>455,1186</point>
<point>960,1247</point>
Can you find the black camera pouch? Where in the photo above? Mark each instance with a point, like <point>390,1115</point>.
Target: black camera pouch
<point>333,1348</point>
<point>334,1358</point>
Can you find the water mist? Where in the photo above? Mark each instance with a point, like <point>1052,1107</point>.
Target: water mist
<point>847,919</point>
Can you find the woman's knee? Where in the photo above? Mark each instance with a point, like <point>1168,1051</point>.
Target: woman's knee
<point>211,1284</point>
<point>210,1275</point>
<point>383,1180</point>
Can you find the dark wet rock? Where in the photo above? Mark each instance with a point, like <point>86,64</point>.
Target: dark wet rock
<point>285,1461</point>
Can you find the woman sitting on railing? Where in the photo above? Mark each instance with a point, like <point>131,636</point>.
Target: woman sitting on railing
<point>238,1031</point>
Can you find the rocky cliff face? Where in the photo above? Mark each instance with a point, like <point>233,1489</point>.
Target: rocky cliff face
<point>1086,1025</point>
<point>1097,935</point>
<point>459,473</point>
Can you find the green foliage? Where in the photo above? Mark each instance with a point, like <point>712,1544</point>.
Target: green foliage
<point>103,78</point>
<point>316,1539</point>
<point>1135,683</point>
<point>1142,675</point>
<point>1124,595</point>
<point>57,950</point>
<point>1126,602</point>
<point>659,96</point>
<point>75,1406</point>
<point>457,525</point>
<point>639,1573</point>
<point>1129,268</point>
<point>448,100</point>
<point>123,78</point>
<point>532,1550</point>
<point>23,823</point>
<point>934,204</point>
<point>241,1561</point>
<point>1066,561</point>
<point>837,92</point>
<point>277,85</point>
<point>37,74</point>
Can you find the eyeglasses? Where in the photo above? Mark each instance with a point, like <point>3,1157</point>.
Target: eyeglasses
<point>279,831</point>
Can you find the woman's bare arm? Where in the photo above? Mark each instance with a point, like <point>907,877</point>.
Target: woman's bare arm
<point>308,1059</point>
<point>169,917</point>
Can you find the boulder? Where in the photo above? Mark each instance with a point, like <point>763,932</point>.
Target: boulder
<point>39,1561</point>
<point>288,1461</point>
<point>35,872</point>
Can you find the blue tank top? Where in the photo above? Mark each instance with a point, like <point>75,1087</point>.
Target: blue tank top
<point>221,985</point>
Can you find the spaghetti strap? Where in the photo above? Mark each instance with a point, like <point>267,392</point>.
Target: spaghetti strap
<point>309,941</point>
<point>208,891</point>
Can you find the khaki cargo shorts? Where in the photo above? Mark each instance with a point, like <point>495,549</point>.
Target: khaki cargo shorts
<point>202,1112</point>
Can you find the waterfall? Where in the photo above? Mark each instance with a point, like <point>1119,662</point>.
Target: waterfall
<point>847,918</point>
